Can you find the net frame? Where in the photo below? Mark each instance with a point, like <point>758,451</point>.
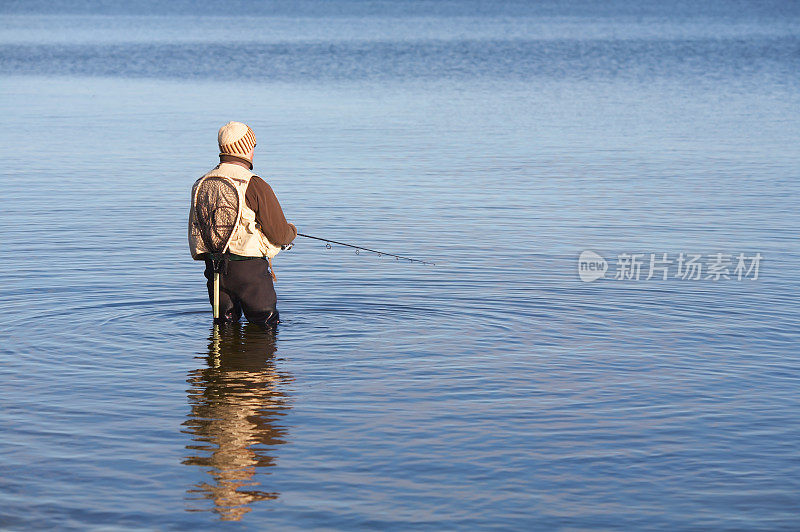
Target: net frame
<point>217,208</point>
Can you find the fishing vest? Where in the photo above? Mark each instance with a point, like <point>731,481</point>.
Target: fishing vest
<point>246,240</point>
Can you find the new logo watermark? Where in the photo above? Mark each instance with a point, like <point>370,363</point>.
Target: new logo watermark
<point>663,266</point>
<point>591,266</point>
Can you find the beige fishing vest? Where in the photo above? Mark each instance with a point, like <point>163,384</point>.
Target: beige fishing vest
<point>247,240</point>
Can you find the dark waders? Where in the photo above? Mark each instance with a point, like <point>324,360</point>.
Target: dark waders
<point>244,286</point>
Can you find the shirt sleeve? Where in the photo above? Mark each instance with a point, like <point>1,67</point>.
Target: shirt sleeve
<point>269,215</point>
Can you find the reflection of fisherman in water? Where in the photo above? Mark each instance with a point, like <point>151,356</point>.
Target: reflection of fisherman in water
<point>236,405</point>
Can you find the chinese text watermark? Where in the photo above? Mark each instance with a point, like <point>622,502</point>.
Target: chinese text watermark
<point>663,266</point>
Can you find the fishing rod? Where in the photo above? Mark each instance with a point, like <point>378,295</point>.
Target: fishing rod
<point>357,248</point>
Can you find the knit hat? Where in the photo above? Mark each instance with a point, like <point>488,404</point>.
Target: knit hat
<point>236,139</point>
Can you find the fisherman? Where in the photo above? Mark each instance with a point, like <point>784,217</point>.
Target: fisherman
<point>236,225</point>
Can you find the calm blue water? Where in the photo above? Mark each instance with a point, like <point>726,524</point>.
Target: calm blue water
<point>494,390</point>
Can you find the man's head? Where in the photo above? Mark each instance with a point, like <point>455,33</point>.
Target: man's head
<point>237,140</point>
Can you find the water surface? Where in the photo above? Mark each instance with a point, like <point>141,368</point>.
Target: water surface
<point>493,390</point>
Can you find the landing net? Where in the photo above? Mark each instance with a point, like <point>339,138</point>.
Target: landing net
<point>216,213</point>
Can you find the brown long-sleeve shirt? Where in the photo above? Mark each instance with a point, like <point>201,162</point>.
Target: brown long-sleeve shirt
<point>269,215</point>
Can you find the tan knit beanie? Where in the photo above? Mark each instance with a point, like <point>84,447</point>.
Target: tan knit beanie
<point>237,139</point>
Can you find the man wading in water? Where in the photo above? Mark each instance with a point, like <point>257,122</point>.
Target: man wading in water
<point>236,225</point>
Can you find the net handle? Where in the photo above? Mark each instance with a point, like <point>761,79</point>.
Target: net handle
<point>216,296</point>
